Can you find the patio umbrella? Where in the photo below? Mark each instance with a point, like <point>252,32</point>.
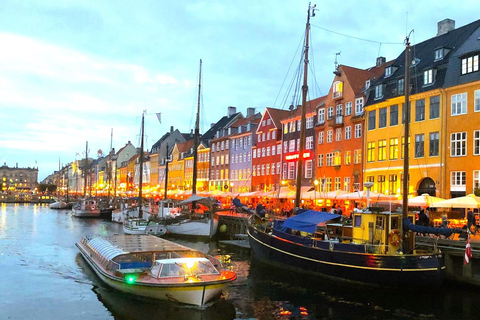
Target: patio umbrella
<point>468,202</point>
<point>362,195</point>
<point>424,200</point>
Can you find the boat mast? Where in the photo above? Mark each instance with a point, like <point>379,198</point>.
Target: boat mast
<point>166,172</point>
<point>197,134</point>
<point>140,180</point>
<point>311,10</point>
<point>86,172</point>
<point>406,111</point>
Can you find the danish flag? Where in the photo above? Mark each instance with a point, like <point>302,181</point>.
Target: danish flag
<point>468,251</point>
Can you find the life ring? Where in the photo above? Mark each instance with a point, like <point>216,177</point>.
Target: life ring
<point>395,237</point>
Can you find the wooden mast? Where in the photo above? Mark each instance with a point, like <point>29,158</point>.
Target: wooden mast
<point>406,111</point>
<point>85,172</point>
<point>166,173</point>
<point>140,180</point>
<point>196,136</point>
<point>311,10</point>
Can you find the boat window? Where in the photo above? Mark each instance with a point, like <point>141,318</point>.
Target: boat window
<point>379,222</point>
<point>358,220</point>
<point>172,270</point>
<point>395,223</point>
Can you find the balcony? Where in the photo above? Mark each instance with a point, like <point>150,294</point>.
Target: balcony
<point>337,121</point>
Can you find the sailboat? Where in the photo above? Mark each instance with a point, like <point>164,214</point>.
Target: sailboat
<point>86,207</point>
<point>206,224</point>
<point>377,249</point>
<point>136,223</point>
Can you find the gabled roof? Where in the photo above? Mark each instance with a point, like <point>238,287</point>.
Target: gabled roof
<point>277,115</point>
<point>310,108</point>
<point>424,56</point>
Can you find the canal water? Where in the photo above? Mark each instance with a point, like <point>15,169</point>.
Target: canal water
<point>42,276</point>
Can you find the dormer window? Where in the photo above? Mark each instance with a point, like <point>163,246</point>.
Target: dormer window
<point>439,53</point>
<point>428,77</point>
<point>379,91</point>
<point>415,62</point>
<point>337,89</point>
<point>388,72</point>
<point>470,64</point>
<point>367,84</point>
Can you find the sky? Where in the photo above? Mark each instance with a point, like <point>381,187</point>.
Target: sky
<point>78,71</point>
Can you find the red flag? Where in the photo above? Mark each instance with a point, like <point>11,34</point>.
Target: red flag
<point>159,117</point>
<point>468,251</point>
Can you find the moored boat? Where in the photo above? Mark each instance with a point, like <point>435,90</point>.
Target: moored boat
<point>86,208</point>
<point>156,268</point>
<point>142,226</point>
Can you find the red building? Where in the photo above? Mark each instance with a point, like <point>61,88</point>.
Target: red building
<point>267,152</point>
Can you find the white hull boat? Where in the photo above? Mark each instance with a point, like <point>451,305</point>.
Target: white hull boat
<point>156,268</point>
<point>142,226</point>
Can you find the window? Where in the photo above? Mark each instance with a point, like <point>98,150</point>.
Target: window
<point>226,145</point>
<point>285,147</point>
<point>459,104</point>
<point>308,169</point>
<point>381,183</point>
<point>348,157</point>
<point>420,110</point>
<point>329,113</point>
<point>388,72</point>
<point>358,130</point>
<point>372,119</point>
<point>338,134</point>
<point>419,145</point>
<point>382,150</point>
<point>477,101</point>
<point>348,108</point>
<point>359,106</point>
<point>476,180</point>
<point>267,171</point>
<point>268,151</point>
<point>428,77</point>
<point>320,160</point>
<point>348,133</point>
<point>320,137</point>
<point>285,128</point>
<point>274,134</point>
<point>337,89</point>
<point>392,184</point>
<point>309,143</point>
<point>278,167</point>
<point>284,174</point>
<point>273,150</point>
<point>435,107</point>
<point>338,183</point>
<point>339,110</point>
<point>458,180</point>
<point>329,159</point>
<point>371,151</point>
<point>403,147</point>
<point>337,158</point>
<point>279,149</point>
<point>298,144</point>
<point>439,54</point>
<point>222,145</point>
<point>346,184</point>
<point>458,143</point>
<point>357,156</point>
<point>394,115</point>
<point>328,184</point>
<point>401,87</point>
<point>268,138</point>
<point>291,146</point>
<point>321,116</point>
<point>470,64</point>
<point>476,142</point>
<point>292,126</point>
<point>329,136</point>
<point>393,152</point>
<point>434,144</point>
<point>378,91</point>
<point>309,123</point>
<point>382,117</point>
<point>269,121</point>
<point>299,125</point>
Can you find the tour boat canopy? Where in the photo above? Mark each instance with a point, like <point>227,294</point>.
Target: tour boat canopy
<point>308,220</point>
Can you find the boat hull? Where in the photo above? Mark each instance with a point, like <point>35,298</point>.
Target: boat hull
<point>202,228</point>
<point>188,293</point>
<point>370,269</point>
<point>79,213</point>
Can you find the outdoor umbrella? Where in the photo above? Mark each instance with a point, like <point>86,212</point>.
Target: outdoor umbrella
<point>468,202</point>
<point>424,200</point>
<point>362,195</point>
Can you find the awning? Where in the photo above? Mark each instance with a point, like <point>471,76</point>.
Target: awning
<point>308,220</point>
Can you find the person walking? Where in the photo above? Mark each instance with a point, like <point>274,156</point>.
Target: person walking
<point>471,221</point>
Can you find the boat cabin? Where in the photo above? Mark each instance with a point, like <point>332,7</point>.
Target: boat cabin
<point>183,267</point>
<point>380,229</point>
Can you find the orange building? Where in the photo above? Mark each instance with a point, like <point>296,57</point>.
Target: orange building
<point>340,129</point>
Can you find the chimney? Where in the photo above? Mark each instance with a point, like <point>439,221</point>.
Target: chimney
<point>250,112</point>
<point>380,61</point>
<point>231,111</point>
<point>211,125</point>
<point>191,132</point>
<point>171,129</point>
<point>445,26</point>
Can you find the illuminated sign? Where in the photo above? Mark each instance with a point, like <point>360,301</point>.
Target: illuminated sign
<point>295,156</point>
